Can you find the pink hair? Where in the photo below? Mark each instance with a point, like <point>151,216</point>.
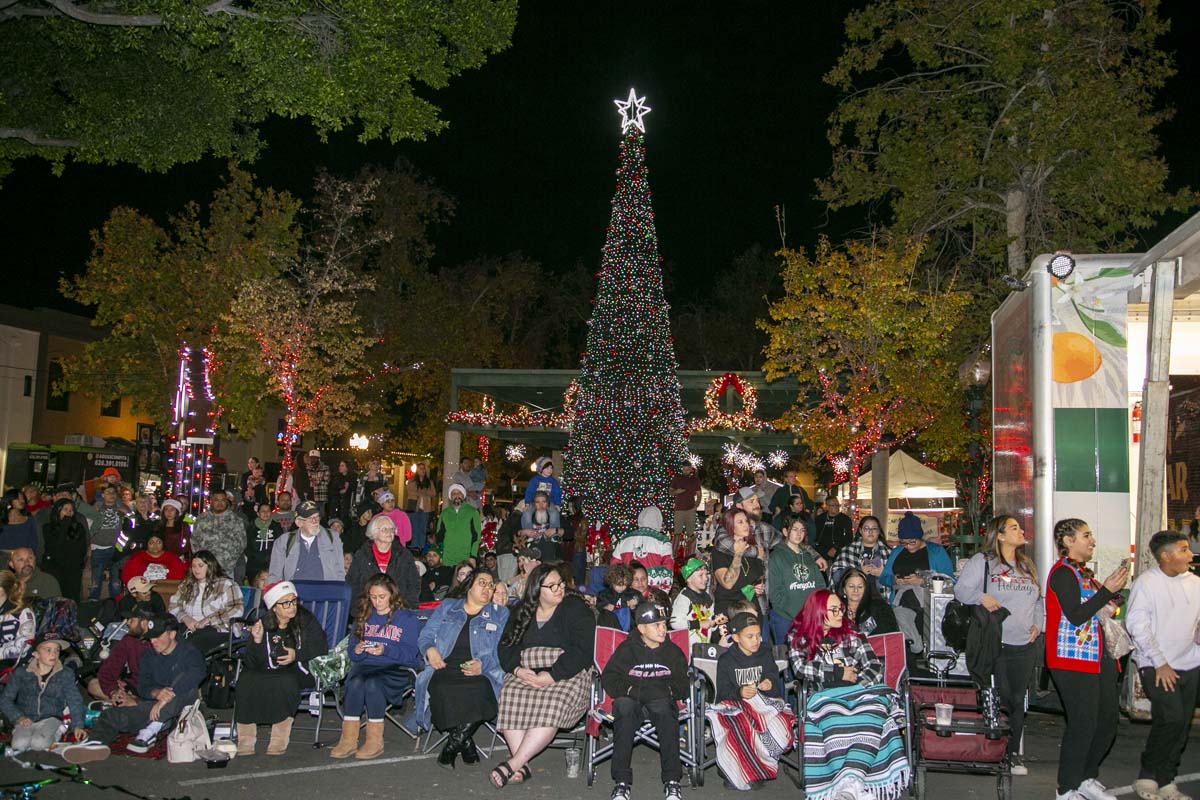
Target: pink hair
<point>808,628</point>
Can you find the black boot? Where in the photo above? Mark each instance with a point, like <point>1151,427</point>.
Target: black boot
<point>451,749</point>
<point>470,753</point>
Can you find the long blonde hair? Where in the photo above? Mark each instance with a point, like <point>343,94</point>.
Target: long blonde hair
<point>991,546</point>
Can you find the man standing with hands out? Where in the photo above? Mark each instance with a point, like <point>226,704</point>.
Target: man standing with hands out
<point>1164,613</point>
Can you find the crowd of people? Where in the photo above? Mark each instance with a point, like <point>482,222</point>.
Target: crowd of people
<point>488,618</point>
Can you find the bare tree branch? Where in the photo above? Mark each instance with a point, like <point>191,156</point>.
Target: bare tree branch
<point>35,138</point>
<point>13,11</point>
<point>78,12</point>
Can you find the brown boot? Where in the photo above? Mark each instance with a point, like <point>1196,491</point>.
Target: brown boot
<point>373,742</point>
<point>281,735</point>
<point>247,735</point>
<point>348,744</point>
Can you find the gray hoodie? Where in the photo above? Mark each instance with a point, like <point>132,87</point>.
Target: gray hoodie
<point>1019,593</point>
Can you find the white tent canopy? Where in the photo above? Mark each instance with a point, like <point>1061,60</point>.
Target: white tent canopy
<point>907,478</point>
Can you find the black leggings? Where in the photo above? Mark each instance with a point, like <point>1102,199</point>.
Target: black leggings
<point>1014,668</point>
<point>1091,705</point>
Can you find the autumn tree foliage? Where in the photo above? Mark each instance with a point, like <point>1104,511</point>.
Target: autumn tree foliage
<point>298,331</point>
<point>153,287</point>
<point>872,352</point>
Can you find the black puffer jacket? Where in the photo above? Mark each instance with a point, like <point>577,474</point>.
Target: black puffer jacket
<point>401,568</point>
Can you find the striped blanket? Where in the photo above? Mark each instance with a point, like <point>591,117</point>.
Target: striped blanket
<point>853,743</point>
<point>750,736</point>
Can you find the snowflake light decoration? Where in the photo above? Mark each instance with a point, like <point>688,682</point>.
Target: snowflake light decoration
<point>732,453</point>
<point>695,459</point>
<point>514,452</point>
<point>777,458</point>
<point>841,464</point>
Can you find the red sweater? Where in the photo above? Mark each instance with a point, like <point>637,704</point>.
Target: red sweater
<point>165,567</point>
<point>124,654</point>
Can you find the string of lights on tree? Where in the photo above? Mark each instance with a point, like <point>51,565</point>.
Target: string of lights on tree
<point>857,411</point>
<point>629,434</point>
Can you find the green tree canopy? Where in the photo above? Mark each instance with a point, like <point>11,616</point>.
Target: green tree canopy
<point>1000,129</point>
<point>160,82</point>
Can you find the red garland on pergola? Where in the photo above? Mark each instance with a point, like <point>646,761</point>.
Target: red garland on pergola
<point>743,420</point>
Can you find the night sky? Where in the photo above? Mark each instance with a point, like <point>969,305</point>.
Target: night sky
<point>738,126</point>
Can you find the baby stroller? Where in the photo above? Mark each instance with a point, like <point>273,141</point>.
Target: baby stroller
<point>975,741</point>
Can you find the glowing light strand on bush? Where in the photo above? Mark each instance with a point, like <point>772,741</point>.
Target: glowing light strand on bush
<point>628,434</point>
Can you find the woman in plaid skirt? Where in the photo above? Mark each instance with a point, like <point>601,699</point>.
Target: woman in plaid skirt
<point>546,651</point>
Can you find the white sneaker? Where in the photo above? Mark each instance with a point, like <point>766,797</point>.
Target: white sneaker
<point>86,752</point>
<point>1093,789</point>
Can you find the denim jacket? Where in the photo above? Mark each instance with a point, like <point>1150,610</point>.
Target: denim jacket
<point>441,631</point>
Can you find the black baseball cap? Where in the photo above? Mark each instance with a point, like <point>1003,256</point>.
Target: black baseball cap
<point>308,509</point>
<point>649,613</point>
<point>158,625</point>
<point>742,621</point>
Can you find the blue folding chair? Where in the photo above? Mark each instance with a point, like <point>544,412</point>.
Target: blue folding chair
<point>238,634</point>
<point>329,602</point>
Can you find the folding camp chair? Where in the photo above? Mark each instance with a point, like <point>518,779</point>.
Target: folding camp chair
<point>238,634</point>
<point>704,665</point>
<point>891,649</point>
<point>601,713</point>
<point>329,602</point>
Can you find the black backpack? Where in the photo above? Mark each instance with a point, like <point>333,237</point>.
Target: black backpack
<point>956,624</point>
<point>218,688</point>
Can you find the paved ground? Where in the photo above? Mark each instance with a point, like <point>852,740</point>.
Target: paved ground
<point>307,773</point>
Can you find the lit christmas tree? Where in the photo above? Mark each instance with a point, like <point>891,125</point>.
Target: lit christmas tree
<point>628,434</point>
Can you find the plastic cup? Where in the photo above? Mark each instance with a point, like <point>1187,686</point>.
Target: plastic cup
<point>944,713</point>
<point>574,754</point>
<point>938,585</point>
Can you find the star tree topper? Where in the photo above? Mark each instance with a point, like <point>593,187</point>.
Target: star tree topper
<point>632,111</point>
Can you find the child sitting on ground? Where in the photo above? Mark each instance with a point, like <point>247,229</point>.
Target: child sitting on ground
<point>646,676</point>
<point>35,696</point>
<point>751,724</point>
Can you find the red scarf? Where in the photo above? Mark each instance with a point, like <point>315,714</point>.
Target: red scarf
<point>381,559</point>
